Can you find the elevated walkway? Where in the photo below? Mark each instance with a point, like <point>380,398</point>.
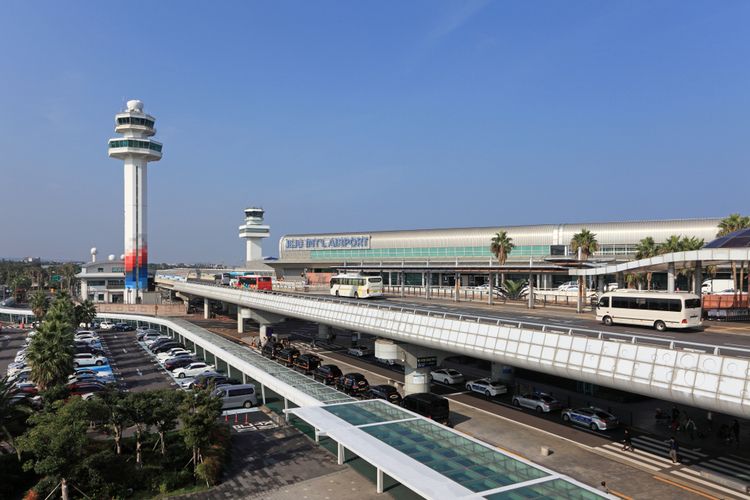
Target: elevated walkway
<point>698,375</point>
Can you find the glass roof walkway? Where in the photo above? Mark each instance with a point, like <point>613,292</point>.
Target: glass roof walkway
<point>433,460</point>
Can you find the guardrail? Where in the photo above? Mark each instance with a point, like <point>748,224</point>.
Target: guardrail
<point>542,298</point>
<point>514,323</point>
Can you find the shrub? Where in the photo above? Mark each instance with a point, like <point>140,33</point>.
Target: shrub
<point>209,470</point>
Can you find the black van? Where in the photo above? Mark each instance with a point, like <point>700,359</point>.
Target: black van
<point>428,405</point>
<point>287,355</point>
<point>271,349</point>
<point>307,362</point>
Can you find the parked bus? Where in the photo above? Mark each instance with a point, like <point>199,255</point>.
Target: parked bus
<point>660,310</point>
<point>356,285</point>
<point>254,282</point>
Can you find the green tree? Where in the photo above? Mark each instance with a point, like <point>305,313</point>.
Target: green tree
<point>113,414</point>
<point>12,414</point>
<point>646,249</point>
<point>165,412</point>
<point>513,289</point>
<point>57,440</point>
<point>85,312</point>
<point>200,412</point>
<point>39,303</point>
<point>68,272</point>
<point>501,245</point>
<point>50,353</point>
<point>585,244</point>
<point>139,407</point>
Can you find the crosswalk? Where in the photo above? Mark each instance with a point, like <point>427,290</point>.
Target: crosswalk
<point>653,454</point>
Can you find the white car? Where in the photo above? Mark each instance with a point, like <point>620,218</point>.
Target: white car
<point>447,376</point>
<point>163,356</point>
<point>193,369</point>
<point>106,325</point>
<point>537,401</point>
<point>86,337</point>
<point>151,340</point>
<point>487,387</point>
<point>360,351</point>
<point>88,359</point>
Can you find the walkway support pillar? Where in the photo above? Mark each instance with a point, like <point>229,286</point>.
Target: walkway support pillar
<point>206,308</point>
<point>263,334</point>
<point>324,332</point>
<point>504,373</point>
<point>240,320</point>
<point>620,280</point>
<point>286,407</point>
<point>456,286</point>
<point>698,278</point>
<point>340,454</point>
<point>402,276</point>
<point>428,285</point>
<point>670,277</point>
<point>491,290</point>
<point>416,376</point>
<point>263,393</point>
<point>531,291</point>
<point>379,485</point>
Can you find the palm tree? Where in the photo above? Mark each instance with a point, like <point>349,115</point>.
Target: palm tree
<point>584,243</point>
<point>646,249</point>
<point>50,352</point>
<point>11,412</point>
<point>672,244</point>
<point>68,271</point>
<point>728,225</point>
<point>501,246</point>
<point>39,303</point>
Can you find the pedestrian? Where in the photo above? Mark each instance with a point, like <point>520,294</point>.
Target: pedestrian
<point>603,487</point>
<point>627,443</point>
<point>736,432</point>
<point>690,427</point>
<point>674,449</point>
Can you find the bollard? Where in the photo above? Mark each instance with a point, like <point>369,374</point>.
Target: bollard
<point>245,418</point>
<point>226,418</point>
<point>236,418</point>
<point>546,451</point>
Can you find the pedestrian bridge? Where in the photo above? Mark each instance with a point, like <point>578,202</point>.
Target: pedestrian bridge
<point>698,375</point>
<point>430,459</point>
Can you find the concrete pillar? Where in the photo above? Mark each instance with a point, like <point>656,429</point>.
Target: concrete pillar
<point>324,332</point>
<point>504,373</point>
<point>600,283</point>
<point>698,277</point>
<point>491,289</point>
<point>620,280</point>
<point>403,282</point>
<point>244,378</point>
<point>340,454</point>
<point>456,287</point>
<point>670,277</point>
<point>531,291</point>
<point>263,394</point>
<point>356,337</point>
<point>379,481</point>
<point>206,308</point>
<point>428,286</point>
<point>286,407</point>
<point>263,333</point>
<point>317,436</point>
<point>240,321</point>
<point>416,379</point>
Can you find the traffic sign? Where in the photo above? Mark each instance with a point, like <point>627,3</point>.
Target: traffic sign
<point>56,277</point>
<point>426,361</point>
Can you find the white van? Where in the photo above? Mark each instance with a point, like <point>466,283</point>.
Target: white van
<point>660,310</point>
<point>236,396</point>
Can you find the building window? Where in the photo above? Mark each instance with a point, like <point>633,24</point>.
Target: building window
<point>101,297</point>
<point>99,269</point>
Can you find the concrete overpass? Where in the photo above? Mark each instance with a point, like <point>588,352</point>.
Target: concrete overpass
<point>699,375</point>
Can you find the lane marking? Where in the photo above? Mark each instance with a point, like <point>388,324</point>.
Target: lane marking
<point>639,463</point>
<point>124,350</point>
<point>715,486</point>
<point>686,488</point>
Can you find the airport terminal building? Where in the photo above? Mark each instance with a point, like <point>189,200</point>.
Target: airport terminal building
<point>543,248</point>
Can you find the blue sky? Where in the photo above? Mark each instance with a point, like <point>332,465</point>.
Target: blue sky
<point>358,116</point>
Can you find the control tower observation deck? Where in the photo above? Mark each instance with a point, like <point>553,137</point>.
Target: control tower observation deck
<point>136,149</point>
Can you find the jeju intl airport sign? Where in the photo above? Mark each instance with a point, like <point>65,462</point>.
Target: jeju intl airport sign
<point>329,243</point>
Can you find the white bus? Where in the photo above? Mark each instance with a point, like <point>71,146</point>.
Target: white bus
<point>356,285</point>
<point>660,310</point>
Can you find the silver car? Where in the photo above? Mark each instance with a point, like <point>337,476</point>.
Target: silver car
<point>236,396</point>
<point>537,401</point>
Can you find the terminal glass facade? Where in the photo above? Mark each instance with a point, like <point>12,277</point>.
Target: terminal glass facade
<point>427,252</point>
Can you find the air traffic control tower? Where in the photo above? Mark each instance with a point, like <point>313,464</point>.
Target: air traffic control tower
<point>136,149</point>
<point>253,231</point>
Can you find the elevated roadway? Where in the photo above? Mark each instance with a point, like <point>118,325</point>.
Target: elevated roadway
<point>710,376</point>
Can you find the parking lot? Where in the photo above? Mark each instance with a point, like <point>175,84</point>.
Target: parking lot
<point>135,369</point>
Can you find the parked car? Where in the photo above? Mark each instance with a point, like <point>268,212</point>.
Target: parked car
<point>171,353</point>
<point>447,376</point>
<point>150,336</point>
<point>193,369</point>
<point>90,349</point>
<point>123,327</point>
<point>236,396</point>
<point>83,388</point>
<point>595,419</point>
<point>154,343</point>
<point>487,387</point>
<point>359,351</point>
<point>139,334</point>
<point>384,391</point>
<point>178,362</point>
<point>88,359</point>
<point>287,355</point>
<point>27,388</point>
<point>353,383</point>
<point>568,286</point>
<point>15,367</point>
<point>328,374</point>
<point>428,405</point>
<point>101,376</point>
<point>166,346</point>
<point>270,349</point>
<point>306,362</point>
<point>206,379</point>
<point>537,401</point>
<point>81,333</point>
<point>106,325</point>
<point>86,338</point>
